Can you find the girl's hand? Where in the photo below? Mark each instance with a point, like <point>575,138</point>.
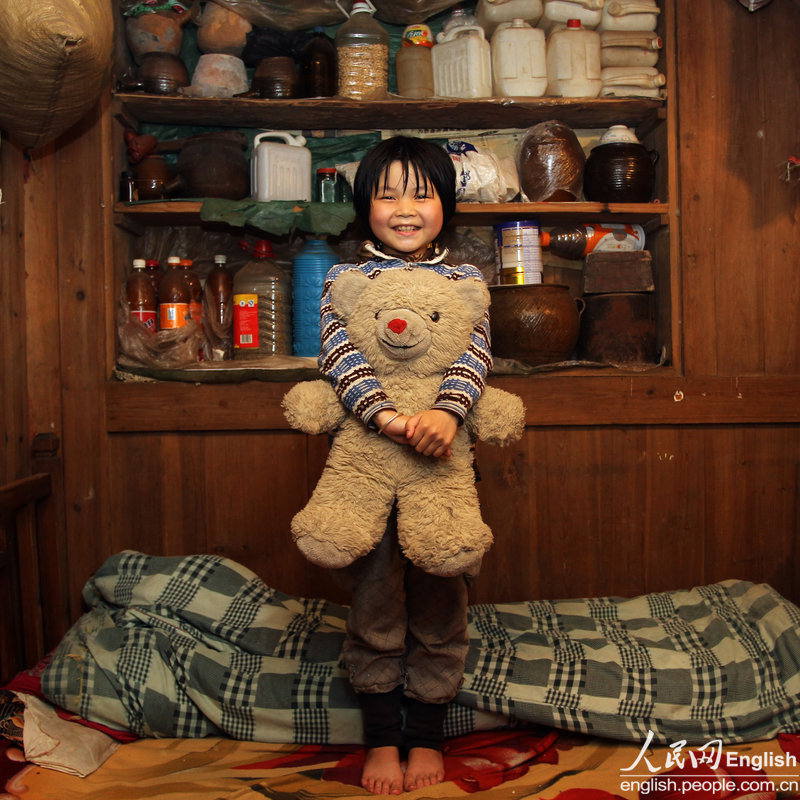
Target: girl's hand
<point>432,432</point>
<point>396,429</point>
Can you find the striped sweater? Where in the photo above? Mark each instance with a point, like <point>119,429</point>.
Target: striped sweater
<point>353,378</point>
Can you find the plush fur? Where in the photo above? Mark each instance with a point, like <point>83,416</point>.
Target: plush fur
<point>439,522</point>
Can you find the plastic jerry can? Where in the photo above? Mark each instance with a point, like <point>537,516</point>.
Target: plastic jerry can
<point>629,15</point>
<point>491,13</point>
<point>629,48</point>
<point>643,77</point>
<point>462,63</point>
<point>519,60</point>
<point>573,61</point>
<point>280,171</point>
<point>557,12</point>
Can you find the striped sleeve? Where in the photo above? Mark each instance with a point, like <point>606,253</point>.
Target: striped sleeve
<point>350,374</point>
<point>464,381</point>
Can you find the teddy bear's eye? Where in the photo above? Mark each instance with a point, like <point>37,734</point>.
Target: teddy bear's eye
<point>435,316</point>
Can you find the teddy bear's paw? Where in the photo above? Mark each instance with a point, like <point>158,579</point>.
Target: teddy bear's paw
<point>334,538</point>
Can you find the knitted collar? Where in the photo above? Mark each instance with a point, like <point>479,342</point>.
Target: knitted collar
<point>368,249</point>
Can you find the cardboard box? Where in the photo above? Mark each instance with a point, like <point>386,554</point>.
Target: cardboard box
<point>618,272</point>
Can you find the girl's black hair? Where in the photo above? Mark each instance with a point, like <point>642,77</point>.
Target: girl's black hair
<point>421,160</point>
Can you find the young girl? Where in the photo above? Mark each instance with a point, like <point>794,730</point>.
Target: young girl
<point>406,632</point>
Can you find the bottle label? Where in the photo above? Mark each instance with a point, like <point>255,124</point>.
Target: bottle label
<point>245,321</point>
<point>417,35</point>
<point>610,236</point>
<point>172,315</point>
<point>147,318</point>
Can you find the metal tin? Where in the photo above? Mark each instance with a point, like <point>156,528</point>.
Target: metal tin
<point>518,252</point>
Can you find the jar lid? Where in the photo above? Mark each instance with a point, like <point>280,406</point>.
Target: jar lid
<point>573,23</point>
<point>326,171</point>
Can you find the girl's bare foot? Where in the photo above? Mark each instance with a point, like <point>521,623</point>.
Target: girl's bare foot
<point>382,772</point>
<point>425,768</point>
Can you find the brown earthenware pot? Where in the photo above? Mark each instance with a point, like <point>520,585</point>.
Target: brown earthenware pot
<point>161,32</point>
<point>151,178</point>
<point>159,73</point>
<point>620,172</point>
<point>536,323</point>
<point>213,165</point>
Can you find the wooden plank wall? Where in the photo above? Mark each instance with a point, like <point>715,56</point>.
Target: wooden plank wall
<point>604,508</point>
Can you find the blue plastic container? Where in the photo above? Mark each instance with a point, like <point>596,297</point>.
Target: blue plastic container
<point>310,266</point>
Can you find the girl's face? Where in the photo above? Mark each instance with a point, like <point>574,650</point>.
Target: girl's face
<point>408,218</point>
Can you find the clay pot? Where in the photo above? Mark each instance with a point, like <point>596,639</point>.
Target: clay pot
<point>155,33</point>
<point>217,75</point>
<point>152,177</point>
<point>535,323</point>
<point>620,172</point>
<point>550,163</point>
<point>159,73</point>
<point>276,77</point>
<point>213,165</point>
<point>221,30</point>
<point>619,328</point>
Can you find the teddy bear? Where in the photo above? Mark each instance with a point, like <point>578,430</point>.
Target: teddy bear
<point>411,325</point>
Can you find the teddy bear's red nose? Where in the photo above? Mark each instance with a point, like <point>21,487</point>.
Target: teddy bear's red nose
<point>397,325</point>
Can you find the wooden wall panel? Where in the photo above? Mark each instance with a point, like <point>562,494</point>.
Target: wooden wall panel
<point>738,94</point>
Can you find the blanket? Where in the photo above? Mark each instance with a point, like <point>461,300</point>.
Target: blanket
<point>199,646</point>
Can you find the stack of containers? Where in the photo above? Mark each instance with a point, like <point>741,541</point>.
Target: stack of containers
<point>630,49</point>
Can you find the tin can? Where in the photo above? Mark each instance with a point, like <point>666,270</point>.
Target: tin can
<point>518,252</point>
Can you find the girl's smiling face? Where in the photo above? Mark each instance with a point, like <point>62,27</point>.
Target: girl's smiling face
<point>405,214</point>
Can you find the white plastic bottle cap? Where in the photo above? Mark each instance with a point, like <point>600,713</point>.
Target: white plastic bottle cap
<point>139,263</point>
<point>220,259</point>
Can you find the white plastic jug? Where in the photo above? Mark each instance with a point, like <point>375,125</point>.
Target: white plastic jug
<point>462,63</point>
<point>573,62</point>
<point>557,12</point>
<point>629,48</point>
<point>490,13</point>
<point>519,60</point>
<point>644,77</point>
<point>280,171</point>
<point>629,15</point>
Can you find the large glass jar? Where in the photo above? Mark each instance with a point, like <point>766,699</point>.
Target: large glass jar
<point>362,48</point>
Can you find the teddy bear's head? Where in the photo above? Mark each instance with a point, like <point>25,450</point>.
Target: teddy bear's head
<point>409,319</point>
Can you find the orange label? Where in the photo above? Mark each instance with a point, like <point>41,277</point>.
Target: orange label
<point>147,318</point>
<point>245,321</point>
<point>172,315</point>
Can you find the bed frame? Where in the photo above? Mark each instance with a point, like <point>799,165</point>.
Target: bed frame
<point>21,625</point>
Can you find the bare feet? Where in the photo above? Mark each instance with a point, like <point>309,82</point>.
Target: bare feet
<point>425,768</point>
<point>382,772</point>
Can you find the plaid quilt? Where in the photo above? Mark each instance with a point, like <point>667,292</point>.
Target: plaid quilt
<point>198,645</point>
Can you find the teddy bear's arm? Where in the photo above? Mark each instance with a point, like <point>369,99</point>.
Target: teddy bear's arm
<point>497,417</point>
<point>313,407</point>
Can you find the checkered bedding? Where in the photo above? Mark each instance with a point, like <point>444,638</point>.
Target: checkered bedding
<point>198,646</point>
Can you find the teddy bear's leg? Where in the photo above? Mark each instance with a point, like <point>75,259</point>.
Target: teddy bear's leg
<point>439,524</point>
<point>345,517</point>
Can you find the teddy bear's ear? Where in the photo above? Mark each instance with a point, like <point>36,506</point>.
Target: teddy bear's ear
<point>474,295</point>
<point>346,290</point>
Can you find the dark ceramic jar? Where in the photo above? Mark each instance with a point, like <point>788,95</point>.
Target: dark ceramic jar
<point>277,77</point>
<point>537,323</point>
<point>214,165</point>
<point>620,172</point>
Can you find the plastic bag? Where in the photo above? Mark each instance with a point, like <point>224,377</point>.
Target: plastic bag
<point>481,177</point>
<point>53,65</point>
<point>288,15</point>
<point>406,12</point>
<point>550,163</point>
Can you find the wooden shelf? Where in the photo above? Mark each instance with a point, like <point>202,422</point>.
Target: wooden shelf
<point>493,112</point>
<point>188,212</point>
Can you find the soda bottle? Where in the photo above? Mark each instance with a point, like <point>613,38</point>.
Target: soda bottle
<point>577,241</point>
<point>173,297</point>
<point>153,269</point>
<point>141,296</point>
<point>219,309</point>
<point>195,291</point>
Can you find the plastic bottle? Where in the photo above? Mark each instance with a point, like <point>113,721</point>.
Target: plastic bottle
<point>195,291</point>
<point>491,13</point>
<point>261,306</point>
<point>218,296</point>
<point>413,64</point>
<point>629,15</point>
<point>310,266</point>
<point>557,13</point>
<point>318,65</point>
<point>141,296</point>
<point>577,241</point>
<point>362,52</point>
<point>459,18</point>
<point>573,62</point>
<point>173,297</point>
<point>519,60</point>
<point>462,62</point>
<point>153,270</point>
<point>328,187</point>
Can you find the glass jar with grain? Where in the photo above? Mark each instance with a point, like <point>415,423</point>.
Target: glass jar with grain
<point>362,48</point>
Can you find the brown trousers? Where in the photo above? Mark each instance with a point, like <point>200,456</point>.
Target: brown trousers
<point>406,627</point>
